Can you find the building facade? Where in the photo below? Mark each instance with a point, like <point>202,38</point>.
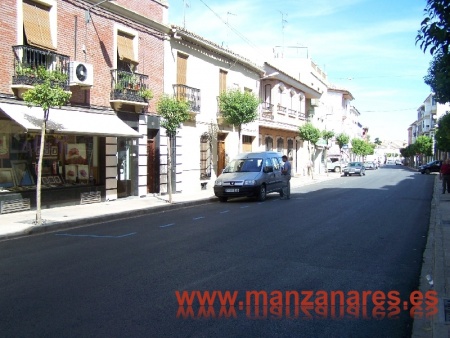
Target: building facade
<point>109,56</point>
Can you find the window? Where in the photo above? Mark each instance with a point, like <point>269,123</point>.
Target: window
<point>280,144</point>
<point>290,148</point>
<point>36,24</point>
<point>222,81</point>
<point>267,93</point>
<point>181,68</point>
<point>126,59</point>
<point>205,156</point>
<point>269,143</point>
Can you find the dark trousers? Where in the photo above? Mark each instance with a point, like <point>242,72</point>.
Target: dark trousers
<point>445,183</point>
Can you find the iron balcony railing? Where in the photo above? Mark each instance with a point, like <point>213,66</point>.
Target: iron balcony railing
<point>128,86</point>
<point>189,94</point>
<point>30,62</point>
<point>281,109</point>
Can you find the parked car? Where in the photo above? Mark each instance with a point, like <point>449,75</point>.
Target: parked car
<point>398,162</point>
<point>430,167</point>
<point>252,175</point>
<point>355,168</point>
<point>334,164</point>
<point>390,162</point>
<point>370,165</point>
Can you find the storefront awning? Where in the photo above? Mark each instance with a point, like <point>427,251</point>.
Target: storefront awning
<point>61,121</point>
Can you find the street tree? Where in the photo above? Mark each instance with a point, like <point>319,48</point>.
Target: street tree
<point>311,134</point>
<point>377,141</point>
<point>408,153</point>
<point>342,139</point>
<point>238,108</point>
<point>434,35</point>
<point>442,135</point>
<point>174,112</point>
<point>423,145</point>
<point>48,93</point>
<point>361,147</point>
<point>327,135</point>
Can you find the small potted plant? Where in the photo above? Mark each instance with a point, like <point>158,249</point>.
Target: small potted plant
<point>146,94</point>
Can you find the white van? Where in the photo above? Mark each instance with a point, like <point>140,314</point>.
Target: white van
<point>251,175</point>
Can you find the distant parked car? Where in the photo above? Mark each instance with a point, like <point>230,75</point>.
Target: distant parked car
<point>390,162</point>
<point>398,162</point>
<point>355,168</point>
<point>430,167</point>
<point>369,165</point>
<point>334,164</point>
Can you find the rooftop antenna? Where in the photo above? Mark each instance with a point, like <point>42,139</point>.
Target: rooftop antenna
<point>228,27</point>
<point>283,22</point>
<point>185,4</point>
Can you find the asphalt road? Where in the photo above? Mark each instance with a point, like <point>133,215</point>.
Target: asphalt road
<point>119,279</point>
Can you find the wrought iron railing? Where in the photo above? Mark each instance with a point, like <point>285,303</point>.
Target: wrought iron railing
<point>281,109</point>
<point>189,94</point>
<point>30,61</point>
<point>128,86</point>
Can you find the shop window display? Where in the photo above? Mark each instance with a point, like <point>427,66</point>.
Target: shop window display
<point>68,160</point>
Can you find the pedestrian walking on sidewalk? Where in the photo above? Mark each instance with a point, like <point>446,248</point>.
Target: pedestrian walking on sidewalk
<point>444,175</point>
<point>286,177</point>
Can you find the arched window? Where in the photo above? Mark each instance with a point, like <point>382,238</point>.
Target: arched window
<point>269,143</point>
<point>280,144</point>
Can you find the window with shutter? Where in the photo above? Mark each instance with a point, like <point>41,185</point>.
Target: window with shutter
<point>36,23</point>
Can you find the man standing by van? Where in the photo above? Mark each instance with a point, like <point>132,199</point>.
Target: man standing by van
<point>286,176</point>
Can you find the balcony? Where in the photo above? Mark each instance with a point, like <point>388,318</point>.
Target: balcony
<point>292,112</point>
<point>29,62</point>
<point>128,88</point>
<point>267,111</point>
<point>190,95</point>
<point>281,109</point>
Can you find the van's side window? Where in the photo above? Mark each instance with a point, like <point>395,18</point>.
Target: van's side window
<point>267,162</point>
<point>276,165</point>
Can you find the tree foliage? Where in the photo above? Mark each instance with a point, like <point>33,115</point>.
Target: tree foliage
<point>327,135</point>
<point>409,151</point>
<point>342,139</point>
<point>435,27</point>
<point>434,35</point>
<point>442,135</point>
<point>423,145</point>
<point>308,132</point>
<point>238,107</point>
<point>377,141</point>
<point>173,112</point>
<point>361,147</point>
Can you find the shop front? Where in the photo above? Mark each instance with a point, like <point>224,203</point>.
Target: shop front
<point>74,164</point>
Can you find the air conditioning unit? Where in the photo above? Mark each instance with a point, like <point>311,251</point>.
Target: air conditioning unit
<point>81,74</point>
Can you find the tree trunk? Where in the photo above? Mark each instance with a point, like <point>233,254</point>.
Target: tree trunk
<point>169,167</point>
<point>39,171</point>
<point>239,140</point>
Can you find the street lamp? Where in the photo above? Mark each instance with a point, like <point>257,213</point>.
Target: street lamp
<point>87,13</point>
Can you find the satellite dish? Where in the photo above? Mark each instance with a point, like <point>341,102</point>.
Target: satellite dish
<point>81,72</point>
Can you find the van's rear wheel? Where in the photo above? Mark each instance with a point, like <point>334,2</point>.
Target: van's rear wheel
<point>262,193</point>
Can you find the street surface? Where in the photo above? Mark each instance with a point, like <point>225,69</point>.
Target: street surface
<point>119,279</point>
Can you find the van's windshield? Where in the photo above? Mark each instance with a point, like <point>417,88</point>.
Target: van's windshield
<point>244,165</point>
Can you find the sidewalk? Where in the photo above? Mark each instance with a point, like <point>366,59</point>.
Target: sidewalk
<point>436,266</point>
<point>22,223</point>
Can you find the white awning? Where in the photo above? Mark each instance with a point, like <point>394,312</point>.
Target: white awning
<point>62,121</point>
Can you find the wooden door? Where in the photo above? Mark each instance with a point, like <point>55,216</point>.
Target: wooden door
<point>151,163</point>
<point>221,157</point>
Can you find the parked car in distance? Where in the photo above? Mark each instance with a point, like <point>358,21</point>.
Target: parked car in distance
<point>334,164</point>
<point>354,168</point>
<point>370,165</point>
<point>398,162</point>
<point>430,167</point>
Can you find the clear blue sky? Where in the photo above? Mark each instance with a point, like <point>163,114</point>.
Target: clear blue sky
<point>365,46</point>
